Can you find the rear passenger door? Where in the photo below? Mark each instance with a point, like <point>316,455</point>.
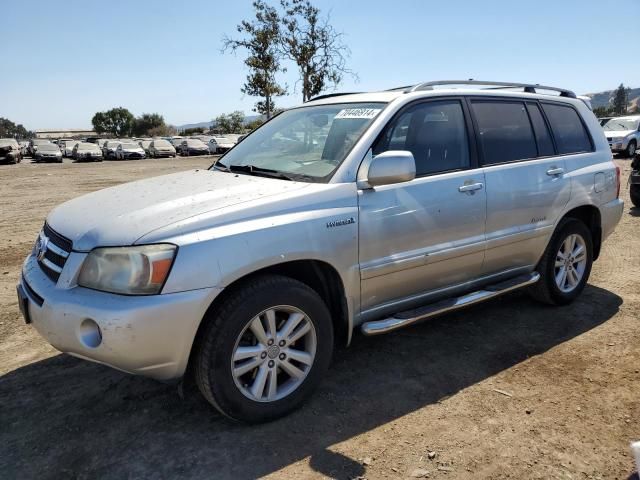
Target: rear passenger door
<point>526,185</point>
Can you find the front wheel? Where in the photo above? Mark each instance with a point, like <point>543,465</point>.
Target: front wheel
<point>264,349</point>
<point>631,149</point>
<point>634,192</point>
<point>565,265</point>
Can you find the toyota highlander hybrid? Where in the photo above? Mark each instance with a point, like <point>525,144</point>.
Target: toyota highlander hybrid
<point>366,212</point>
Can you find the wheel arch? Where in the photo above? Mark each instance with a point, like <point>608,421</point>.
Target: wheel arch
<point>318,275</point>
<point>591,217</point>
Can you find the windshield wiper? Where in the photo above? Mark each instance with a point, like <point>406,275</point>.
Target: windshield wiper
<point>259,171</point>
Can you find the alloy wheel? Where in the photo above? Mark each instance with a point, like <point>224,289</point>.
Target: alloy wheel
<point>274,353</point>
<point>571,261</point>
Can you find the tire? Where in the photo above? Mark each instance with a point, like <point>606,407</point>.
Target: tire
<point>227,327</point>
<point>631,149</point>
<point>547,289</point>
<point>634,193</point>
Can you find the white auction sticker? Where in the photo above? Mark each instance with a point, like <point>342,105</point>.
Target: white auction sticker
<point>358,113</point>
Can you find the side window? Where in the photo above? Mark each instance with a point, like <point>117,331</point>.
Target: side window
<point>543,138</point>
<point>505,131</point>
<point>436,134</point>
<point>568,130</point>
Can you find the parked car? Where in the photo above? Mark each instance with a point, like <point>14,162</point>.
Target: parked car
<point>129,151</point>
<point>604,120</point>
<point>219,145</point>
<point>24,147</point>
<point>87,152</point>
<point>161,148</point>
<point>145,146</point>
<point>35,143</point>
<point>193,147</point>
<point>10,151</point>
<point>66,147</point>
<point>48,152</point>
<point>634,180</point>
<point>109,149</point>
<point>623,134</point>
<point>176,142</point>
<point>380,210</point>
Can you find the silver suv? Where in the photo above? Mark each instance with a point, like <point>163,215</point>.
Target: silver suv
<point>368,211</point>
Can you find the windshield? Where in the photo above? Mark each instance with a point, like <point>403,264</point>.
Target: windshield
<point>161,143</point>
<point>307,141</point>
<point>40,142</point>
<point>130,145</point>
<point>8,141</point>
<point>87,146</point>
<point>49,147</point>
<point>620,124</point>
<point>195,143</point>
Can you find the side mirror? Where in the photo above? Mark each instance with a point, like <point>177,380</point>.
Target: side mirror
<point>393,166</point>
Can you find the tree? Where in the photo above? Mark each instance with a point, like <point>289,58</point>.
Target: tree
<point>8,129</point>
<point>600,112</point>
<point>230,123</point>
<point>163,131</point>
<point>191,131</point>
<point>253,124</point>
<point>620,100</point>
<point>260,39</point>
<point>314,46</point>
<point>147,122</point>
<point>117,122</point>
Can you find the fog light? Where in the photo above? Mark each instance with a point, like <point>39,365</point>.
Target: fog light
<point>90,334</point>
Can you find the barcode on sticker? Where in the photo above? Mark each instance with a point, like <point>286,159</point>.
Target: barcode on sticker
<point>358,113</point>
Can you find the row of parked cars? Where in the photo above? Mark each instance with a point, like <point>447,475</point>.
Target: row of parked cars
<point>96,149</point>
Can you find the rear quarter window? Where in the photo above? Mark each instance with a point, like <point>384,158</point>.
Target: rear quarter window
<point>568,129</point>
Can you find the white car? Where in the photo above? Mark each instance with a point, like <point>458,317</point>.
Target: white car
<point>129,151</point>
<point>220,144</point>
<point>623,134</point>
<point>66,147</point>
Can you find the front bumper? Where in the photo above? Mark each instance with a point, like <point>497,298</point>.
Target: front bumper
<point>618,145</point>
<point>144,335</point>
<point>133,155</point>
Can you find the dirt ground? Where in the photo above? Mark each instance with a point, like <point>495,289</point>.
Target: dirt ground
<point>508,389</point>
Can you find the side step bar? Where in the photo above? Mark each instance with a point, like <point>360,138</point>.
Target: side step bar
<point>409,317</point>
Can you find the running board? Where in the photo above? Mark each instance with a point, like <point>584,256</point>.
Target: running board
<point>409,317</point>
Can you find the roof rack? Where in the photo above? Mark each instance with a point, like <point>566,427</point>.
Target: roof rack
<point>527,87</point>
<point>329,95</point>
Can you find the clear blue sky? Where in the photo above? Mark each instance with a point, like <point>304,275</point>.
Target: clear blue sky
<point>64,60</point>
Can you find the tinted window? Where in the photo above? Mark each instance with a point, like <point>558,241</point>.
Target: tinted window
<point>543,138</point>
<point>570,135</point>
<point>505,131</point>
<point>434,132</point>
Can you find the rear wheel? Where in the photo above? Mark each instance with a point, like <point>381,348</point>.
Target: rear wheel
<point>565,265</point>
<point>264,349</point>
<point>631,149</point>
<point>634,192</point>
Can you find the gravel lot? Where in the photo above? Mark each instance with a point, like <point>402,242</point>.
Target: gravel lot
<point>508,389</point>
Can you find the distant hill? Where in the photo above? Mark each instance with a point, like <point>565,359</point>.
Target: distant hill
<point>211,124</point>
<point>605,99</point>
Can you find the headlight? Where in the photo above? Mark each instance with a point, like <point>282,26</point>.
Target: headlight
<point>139,270</point>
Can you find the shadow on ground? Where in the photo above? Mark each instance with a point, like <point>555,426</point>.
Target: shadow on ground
<point>63,417</point>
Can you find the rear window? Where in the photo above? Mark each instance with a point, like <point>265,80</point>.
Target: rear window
<point>505,131</point>
<point>567,128</point>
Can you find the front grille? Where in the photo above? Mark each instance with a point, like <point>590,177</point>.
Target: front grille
<point>52,251</point>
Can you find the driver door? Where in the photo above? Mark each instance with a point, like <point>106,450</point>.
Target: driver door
<point>429,233</point>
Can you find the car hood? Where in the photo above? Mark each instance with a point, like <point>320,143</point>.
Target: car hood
<point>133,150</point>
<point>618,133</point>
<point>123,214</point>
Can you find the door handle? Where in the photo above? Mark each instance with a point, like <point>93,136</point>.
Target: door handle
<point>470,187</point>
<point>555,171</point>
